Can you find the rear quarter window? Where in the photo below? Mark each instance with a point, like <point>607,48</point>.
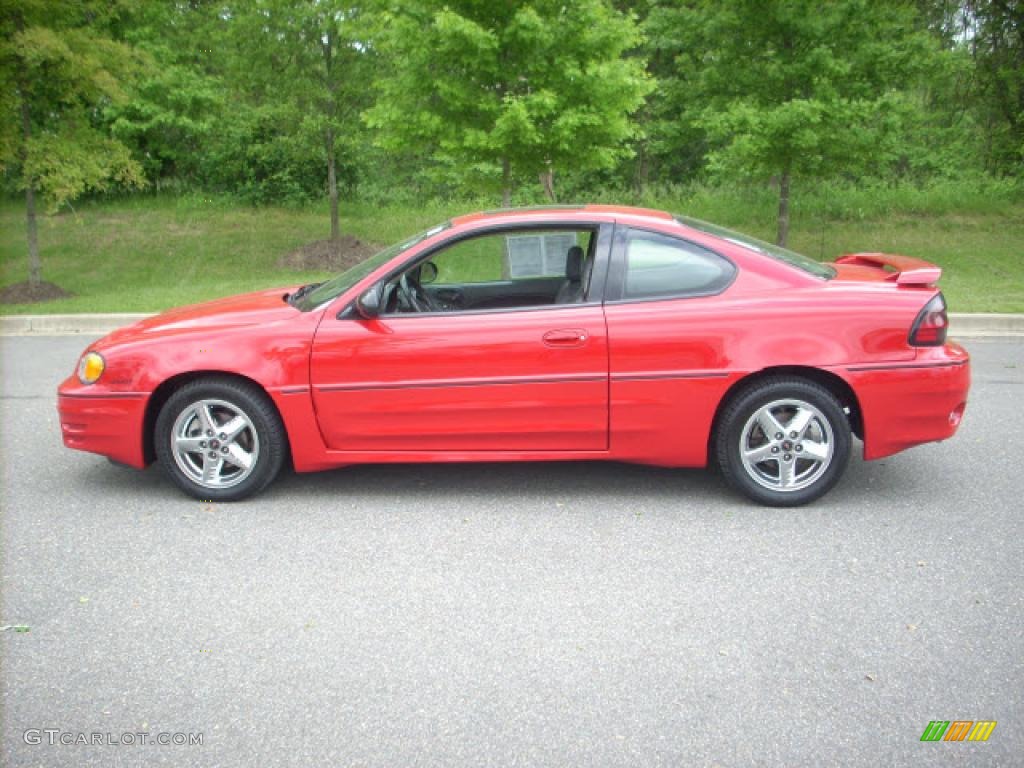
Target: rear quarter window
<point>661,266</point>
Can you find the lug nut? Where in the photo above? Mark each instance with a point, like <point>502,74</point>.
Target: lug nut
<point>775,449</point>
<point>778,435</point>
<point>213,454</point>
<point>799,448</point>
<point>224,449</point>
<point>792,434</point>
<point>209,433</point>
<point>787,456</point>
<point>202,443</point>
<point>222,436</point>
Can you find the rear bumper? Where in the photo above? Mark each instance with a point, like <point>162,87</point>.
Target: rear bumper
<point>106,423</point>
<point>907,404</point>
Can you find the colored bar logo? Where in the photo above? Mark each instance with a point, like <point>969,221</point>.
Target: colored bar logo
<point>958,730</point>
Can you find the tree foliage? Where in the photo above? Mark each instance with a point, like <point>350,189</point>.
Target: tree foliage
<point>60,66</point>
<point>996,41</point>
<point>300,100</point>
<point>494,90</point>
<point>795,88</point>
<point>305,63</point>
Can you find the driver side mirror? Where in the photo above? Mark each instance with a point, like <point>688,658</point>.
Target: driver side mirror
<point>428,273</point>
<point>368,305</point>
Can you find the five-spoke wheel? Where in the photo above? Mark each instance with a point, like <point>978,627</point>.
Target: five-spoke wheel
<point>787,445</point>
<point>220,438</point>
<point>782,441</point>
<point>215,443</point>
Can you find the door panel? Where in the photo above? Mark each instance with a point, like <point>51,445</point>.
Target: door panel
<point>669,363</point>
<point>463,381</point>
<point>499,294</point>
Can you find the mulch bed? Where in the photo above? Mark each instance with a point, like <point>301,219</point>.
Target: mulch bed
<point>25,293</point>
<point>328,255</point>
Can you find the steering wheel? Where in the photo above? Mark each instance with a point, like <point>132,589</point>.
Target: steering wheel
<point>413,296</point>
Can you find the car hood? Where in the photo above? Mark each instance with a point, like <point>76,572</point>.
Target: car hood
<point>247,309</point>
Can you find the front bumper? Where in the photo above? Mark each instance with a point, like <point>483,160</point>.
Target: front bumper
<point>108,423</point>
<point>907,404</point>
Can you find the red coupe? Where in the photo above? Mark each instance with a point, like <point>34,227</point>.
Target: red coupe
<point>570,333</point>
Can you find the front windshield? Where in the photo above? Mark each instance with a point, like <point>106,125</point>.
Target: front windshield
<point>774,251</point>
<point>341,283</point>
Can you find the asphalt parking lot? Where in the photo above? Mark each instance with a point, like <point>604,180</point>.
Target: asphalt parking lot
<point>478,615</point>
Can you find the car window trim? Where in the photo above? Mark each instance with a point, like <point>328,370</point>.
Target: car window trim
<point>602,255</point>
<point>616,285</point>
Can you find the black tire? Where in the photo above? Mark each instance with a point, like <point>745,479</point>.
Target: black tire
<point>741,432</point>
<point>264,436</point>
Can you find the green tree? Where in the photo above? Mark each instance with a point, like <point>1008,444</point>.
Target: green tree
<point>798,88</point>
<point>676,142</point>
<point>305,61</point>
<point>60,65</point>
<point>980,102</point>
<point>179,102</point>
<point>996,40</point>
<point>495,90</point>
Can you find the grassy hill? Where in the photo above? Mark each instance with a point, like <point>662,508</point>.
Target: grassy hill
<point>145,254</point>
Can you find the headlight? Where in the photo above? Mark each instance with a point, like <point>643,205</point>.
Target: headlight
<point>90,367</point>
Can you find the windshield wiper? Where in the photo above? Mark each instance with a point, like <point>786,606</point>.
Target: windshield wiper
<point>298,293</point>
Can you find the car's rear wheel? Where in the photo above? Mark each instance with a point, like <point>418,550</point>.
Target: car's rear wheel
<point>220,439</point>
<point>783,441</point>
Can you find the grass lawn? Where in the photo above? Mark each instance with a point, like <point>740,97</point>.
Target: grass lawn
<point>145,254</point>
<point>981,255</point>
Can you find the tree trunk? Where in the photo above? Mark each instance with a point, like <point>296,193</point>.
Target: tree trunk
<point>34,265</point>
<point>642,169</point>
<point>327,43</point>
<point>547,180</point>
<point>783,208</point>
<point>332,185</point>
<point>506,183</point>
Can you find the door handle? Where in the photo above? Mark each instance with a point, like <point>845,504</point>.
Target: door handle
<point>566,337</point>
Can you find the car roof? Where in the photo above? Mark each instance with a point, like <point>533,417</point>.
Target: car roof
<point>553,211</point>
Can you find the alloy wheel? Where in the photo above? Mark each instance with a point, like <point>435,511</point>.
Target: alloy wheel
<point>786,445</point>
<point>214,443</point>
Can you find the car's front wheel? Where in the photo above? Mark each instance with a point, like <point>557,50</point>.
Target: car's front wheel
<point>783,441</point>
<point>220,439</point>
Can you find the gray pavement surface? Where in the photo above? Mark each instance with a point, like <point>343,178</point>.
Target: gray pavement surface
<point>495,615</point>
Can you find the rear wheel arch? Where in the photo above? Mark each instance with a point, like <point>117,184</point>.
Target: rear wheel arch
<point>171,385</point>
<point>834,383</point>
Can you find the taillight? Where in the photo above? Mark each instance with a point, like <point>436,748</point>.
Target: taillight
<point>929,329</point>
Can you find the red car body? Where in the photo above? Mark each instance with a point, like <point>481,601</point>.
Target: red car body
<point>637,381</point>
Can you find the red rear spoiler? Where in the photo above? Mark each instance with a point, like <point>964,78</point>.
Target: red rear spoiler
<point>908,270</point>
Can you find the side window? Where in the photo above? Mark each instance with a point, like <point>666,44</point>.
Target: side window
<point>658,265</point>
<point>477,260</point>
<point>523,255</point>
<point>508,269</point>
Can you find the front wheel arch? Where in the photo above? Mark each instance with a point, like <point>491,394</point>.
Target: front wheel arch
<point>171,385</point>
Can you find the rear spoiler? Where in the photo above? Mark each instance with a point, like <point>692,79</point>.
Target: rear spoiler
<point>907,269</point>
